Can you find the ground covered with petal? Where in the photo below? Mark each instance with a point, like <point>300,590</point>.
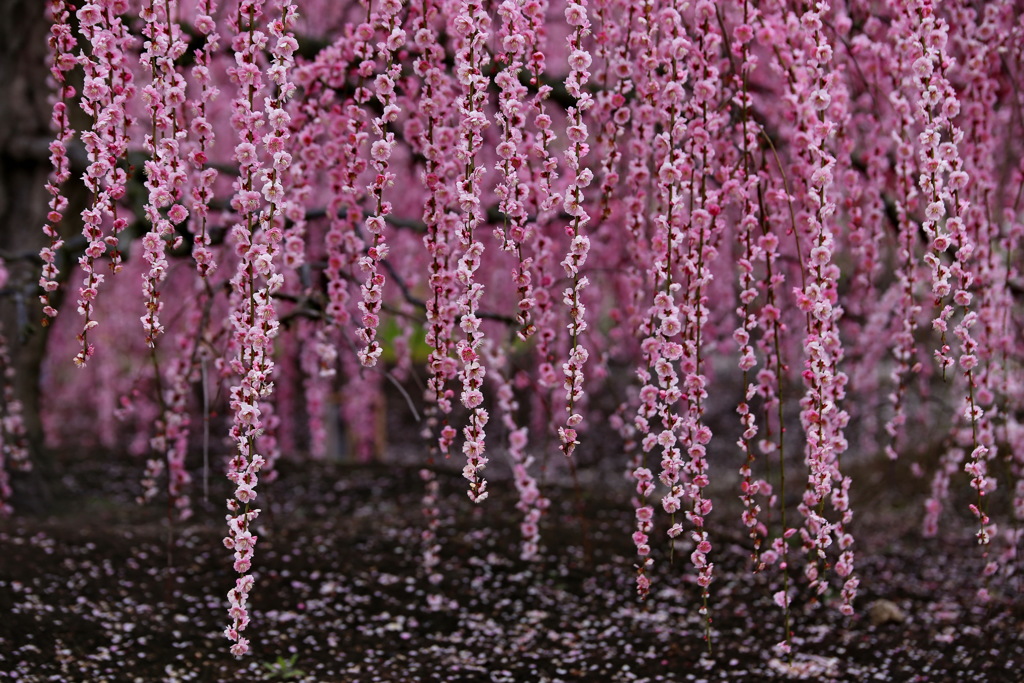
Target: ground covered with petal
<point>93,591</point>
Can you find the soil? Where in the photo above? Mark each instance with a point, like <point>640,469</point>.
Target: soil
<point>93,591</point>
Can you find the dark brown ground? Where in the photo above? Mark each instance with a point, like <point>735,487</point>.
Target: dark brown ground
<point>86,594</point>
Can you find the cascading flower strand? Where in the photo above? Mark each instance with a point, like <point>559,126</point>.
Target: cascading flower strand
<point>944,181</point>
<point>471,24</point>
<point>649,413</point>
<point>432,105</point>
<point>747,184</point>
<point>386,17</point>
<point>821,416</point>
<point>204,175</point>
<point>979,126</point>
<point>165,174</point>
<point>257,238</point>
<point>577,134</point>
<point>248,339</point>
<point>517,41</point>
<point>700,232</point>
<point>62,44</point>
<point>542,175</point>
<point>165,177</point>
<point>826,275</point>
<point>107,87</point>
<point>532,503</point>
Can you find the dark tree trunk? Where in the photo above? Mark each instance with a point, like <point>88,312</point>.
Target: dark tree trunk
<point>24,166</point>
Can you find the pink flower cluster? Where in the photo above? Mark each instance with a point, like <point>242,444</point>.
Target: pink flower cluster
<point>822,416</point>
<point>386,21</point>
<point>106,91</point>
<point>164,97</point>
<point>579,246</point>
<point>532,502</point>
<point>257,241</point>
<point>203,175</point>
<point>435,141</point>
<point>471,24</point>
<point>62,45</point>
<point>943,183</point>
<point>518,40</point>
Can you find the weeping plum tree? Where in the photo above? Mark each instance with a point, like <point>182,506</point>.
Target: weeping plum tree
<point>566,213</point>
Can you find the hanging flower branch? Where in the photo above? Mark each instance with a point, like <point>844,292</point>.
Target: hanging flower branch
<point>747,183</point>
<point>62,44</point>
<point>577,134</point>
<point>106,92</point>
<point>822,416</point>
<point>386,20</point>
<point>471,23</point>
<point>433,106</point>
<point>203,176</point>
<point>257,239</point>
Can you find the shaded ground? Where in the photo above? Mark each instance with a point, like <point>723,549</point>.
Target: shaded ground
<point>86,595</point>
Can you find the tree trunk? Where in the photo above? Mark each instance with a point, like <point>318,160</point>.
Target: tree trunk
<point>25,135</point>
